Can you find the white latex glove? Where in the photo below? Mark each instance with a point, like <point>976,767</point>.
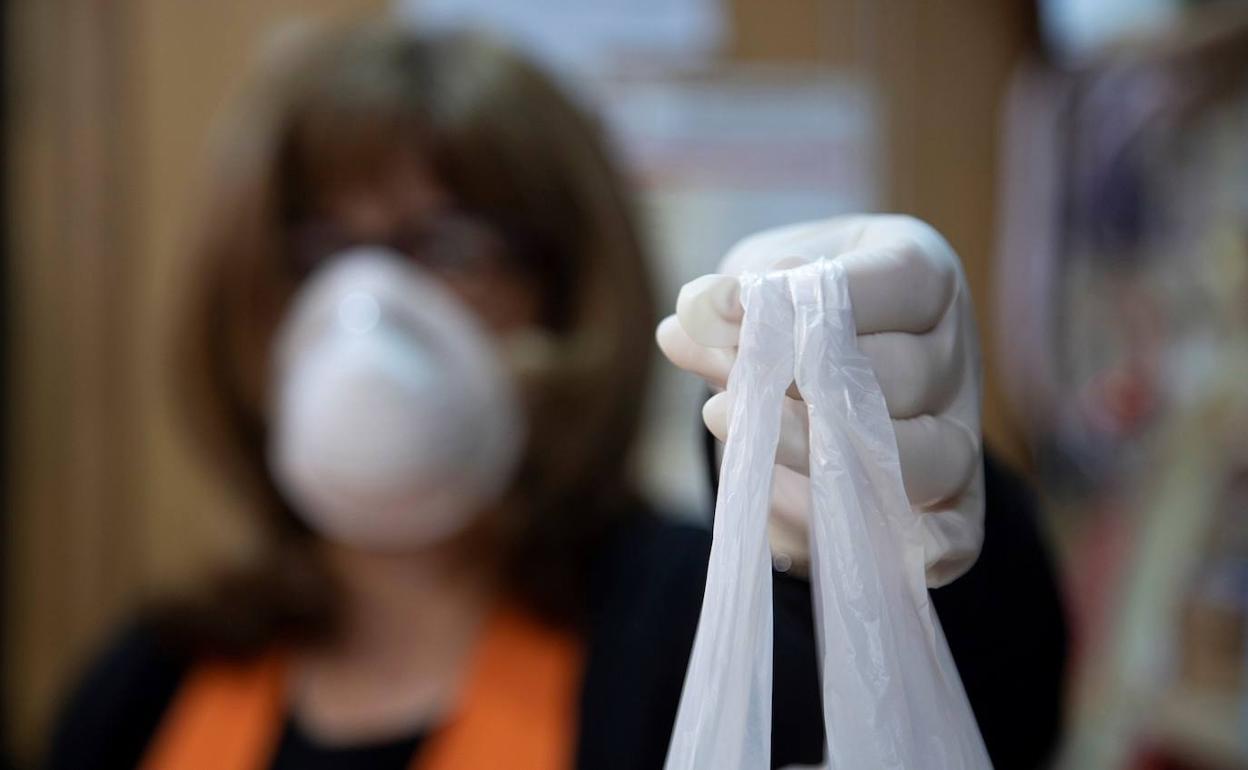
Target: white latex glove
<point>915,322</point>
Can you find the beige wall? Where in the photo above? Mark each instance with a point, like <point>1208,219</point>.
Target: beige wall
<point>112,105</point>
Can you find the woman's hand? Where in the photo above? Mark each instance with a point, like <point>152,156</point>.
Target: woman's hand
<point>915,322</point>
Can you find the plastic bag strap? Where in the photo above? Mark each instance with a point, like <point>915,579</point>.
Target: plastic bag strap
<point>892,697</point>
<point>729,727</point>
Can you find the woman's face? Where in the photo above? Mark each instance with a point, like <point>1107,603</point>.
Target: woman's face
<point>428,409</point>
<point>409,211</point>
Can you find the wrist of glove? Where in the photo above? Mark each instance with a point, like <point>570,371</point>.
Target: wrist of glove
<point>914,321</point>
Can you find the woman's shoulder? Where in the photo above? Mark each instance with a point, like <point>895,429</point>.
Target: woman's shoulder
<point>118,700</point>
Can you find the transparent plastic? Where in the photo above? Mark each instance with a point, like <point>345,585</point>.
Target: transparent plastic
<point>891,693</point>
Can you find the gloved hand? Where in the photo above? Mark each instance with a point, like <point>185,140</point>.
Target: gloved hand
<point>915,322</point>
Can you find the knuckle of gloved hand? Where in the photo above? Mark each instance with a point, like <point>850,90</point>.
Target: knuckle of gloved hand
<point>933,363</point>
<point>941,453</point>
<point>900,367</point>
<point>964,448</point>
<point>946,566</point>
<point>931,282</point>
<point>916,381</point>
<point>929,238</point>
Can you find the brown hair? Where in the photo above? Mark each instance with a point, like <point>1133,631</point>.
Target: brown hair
<point>505,143</point>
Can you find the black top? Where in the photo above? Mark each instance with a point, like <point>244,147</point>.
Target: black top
<point>1003,621</point>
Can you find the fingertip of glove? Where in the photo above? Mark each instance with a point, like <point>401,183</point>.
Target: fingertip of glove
<point>715,414</point>
<point>663,332</point>
<point>709,309</point>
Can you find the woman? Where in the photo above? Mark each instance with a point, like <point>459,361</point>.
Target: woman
<point>546,619</point>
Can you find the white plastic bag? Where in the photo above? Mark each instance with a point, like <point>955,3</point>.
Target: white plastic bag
<point>892,697</point>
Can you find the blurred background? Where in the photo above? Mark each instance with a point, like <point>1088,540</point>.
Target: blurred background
<point>1088,159</point>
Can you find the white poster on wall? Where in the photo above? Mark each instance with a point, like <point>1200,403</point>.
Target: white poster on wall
<point>580,38</point>
<point>716,159</point>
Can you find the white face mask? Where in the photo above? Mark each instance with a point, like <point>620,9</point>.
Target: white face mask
<point>395,421</point>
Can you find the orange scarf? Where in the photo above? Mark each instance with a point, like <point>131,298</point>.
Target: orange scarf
<point>518,709</point>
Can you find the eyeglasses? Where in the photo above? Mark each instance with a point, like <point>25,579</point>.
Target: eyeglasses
<point>450,243</point>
